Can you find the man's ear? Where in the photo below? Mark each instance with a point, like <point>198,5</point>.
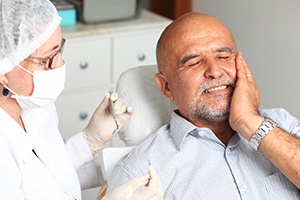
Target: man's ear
<point>162,83</point>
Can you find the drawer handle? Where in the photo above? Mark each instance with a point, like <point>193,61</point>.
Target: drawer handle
<point>83,115</point>
<point>83,64</point>
<point>141,57</point>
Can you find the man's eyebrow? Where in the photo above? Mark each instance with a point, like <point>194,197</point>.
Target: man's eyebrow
<point>188,57</point>
<point>224,49</point>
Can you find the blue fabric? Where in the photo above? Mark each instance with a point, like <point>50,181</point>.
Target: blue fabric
<point>193,163</point>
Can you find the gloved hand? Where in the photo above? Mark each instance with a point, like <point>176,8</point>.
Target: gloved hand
<point>103,125</point>
<point>152,191</point>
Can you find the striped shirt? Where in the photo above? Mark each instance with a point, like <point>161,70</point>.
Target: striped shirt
<point>193,163</point>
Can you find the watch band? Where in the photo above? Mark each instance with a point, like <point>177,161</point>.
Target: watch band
<point>266,126</point>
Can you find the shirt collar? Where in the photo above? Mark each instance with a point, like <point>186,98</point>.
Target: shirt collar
<point>180,128</point>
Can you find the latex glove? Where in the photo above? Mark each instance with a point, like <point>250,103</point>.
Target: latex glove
<point>153,189</point>
<point>103,125</point>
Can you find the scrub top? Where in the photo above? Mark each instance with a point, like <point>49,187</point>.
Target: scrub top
<point>38,164</point>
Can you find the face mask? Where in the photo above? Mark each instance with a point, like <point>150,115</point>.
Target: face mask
<point>48,85</point>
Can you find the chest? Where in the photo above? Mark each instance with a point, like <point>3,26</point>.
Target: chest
<point>203,171</point>
<point>37,181</point>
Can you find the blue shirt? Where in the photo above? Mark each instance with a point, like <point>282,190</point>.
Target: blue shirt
<point>193,163</point>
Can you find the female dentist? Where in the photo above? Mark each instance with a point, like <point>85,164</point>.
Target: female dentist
<point>35,163</point>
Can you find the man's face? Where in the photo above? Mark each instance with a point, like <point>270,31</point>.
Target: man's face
<point>201,79</point>
<point>212,96</point>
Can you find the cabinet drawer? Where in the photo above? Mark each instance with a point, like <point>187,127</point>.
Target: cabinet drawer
<point>133,51</point>
<point>88,62</point>
<point>75,110</point>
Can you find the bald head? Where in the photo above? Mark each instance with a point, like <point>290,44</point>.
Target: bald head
<point>184,32</point>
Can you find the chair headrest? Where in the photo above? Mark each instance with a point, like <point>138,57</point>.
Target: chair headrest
<point>151,108</point>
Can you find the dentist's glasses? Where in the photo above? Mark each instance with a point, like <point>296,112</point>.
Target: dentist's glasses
<point>49,62</point>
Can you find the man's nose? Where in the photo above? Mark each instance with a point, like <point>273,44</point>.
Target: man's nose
<point>213,69</point>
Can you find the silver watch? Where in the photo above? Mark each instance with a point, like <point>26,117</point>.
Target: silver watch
<point>266,126</point>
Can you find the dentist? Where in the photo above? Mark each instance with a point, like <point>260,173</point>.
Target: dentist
<point>35,162</point>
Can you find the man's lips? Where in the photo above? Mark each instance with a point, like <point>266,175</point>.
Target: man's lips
<point>214,89</point>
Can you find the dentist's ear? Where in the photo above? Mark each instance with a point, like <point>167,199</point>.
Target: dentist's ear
<point>3,82</point>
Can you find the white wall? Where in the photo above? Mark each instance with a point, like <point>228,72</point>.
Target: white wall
<point>268,34</point>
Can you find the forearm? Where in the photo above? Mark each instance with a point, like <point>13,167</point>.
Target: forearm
<point>78,150</point>
<point>283,150</point>
<point>280,147</point>
<point>87,166</point>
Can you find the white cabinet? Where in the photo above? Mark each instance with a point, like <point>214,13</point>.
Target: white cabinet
<point>133,50</point>
<point>88,62</point>
<point>74,113</point>
<point>95,55</point>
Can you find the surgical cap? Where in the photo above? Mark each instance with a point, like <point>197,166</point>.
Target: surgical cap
<point>24,26</point>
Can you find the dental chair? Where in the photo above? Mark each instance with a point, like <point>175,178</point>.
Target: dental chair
<point>151,110</point>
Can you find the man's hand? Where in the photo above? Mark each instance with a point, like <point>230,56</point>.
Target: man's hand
<point>244,117</point>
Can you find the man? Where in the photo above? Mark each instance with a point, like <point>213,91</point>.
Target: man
<point>217,145</point>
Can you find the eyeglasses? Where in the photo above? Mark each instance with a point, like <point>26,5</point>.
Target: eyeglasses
<point>49,62</point>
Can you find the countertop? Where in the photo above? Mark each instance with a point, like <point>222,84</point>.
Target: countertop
<point>145,19</point>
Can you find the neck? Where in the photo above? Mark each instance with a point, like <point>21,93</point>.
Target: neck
<point>11,107</point>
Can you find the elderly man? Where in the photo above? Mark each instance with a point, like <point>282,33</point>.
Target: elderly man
<point>218,145</point>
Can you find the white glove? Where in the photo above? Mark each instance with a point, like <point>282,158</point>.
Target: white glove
<point>152,191</point>
<point>103,125</point>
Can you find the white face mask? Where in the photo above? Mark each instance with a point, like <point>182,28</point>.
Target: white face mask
<point>48,85</point>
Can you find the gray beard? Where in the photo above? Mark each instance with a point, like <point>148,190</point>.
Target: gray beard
<point>209,112</point>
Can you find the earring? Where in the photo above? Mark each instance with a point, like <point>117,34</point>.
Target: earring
<point>5,91</point>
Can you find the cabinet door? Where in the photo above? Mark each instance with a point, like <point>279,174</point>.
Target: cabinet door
<point>88,62</point>
<point>134,50</point>
<point>75,110</point>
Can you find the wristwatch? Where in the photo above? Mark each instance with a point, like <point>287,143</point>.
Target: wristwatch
<point>266,126</point>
